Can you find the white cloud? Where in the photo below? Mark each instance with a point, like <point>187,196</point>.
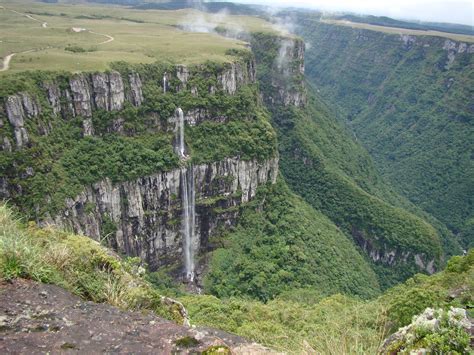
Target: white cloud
<point>454,11</point>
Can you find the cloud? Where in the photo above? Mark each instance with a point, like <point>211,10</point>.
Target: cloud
<point>457,11</point>
<point>197,21</point>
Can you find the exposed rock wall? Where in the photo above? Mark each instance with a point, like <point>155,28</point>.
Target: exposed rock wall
<point>140,217</point>
<point>84,93</point>
<point>144,215</point>
<point>391,256</point>
<point>285,85</point>
<point>19,108</point>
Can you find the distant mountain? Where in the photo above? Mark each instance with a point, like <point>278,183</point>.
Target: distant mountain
<point>413,25</point>
<point>213,7</point>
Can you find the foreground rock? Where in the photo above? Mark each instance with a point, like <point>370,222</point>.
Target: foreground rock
<point>435,331</point>
<point>39,318</point>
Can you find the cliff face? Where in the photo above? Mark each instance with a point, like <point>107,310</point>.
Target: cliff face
<point>81,95</point>
<point>281,69</point>
<point>143,217</point>
<point>19,108</point>
<point>289,79</point>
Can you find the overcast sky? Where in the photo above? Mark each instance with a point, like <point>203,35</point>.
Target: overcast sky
<point>454,11</point>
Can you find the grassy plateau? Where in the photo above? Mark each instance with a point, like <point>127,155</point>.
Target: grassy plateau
<point>89,37</point>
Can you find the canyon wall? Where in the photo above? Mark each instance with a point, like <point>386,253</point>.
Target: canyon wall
<point>142,216</point>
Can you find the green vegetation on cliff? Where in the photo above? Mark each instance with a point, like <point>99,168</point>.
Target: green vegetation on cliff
<point>350,193</point>
<point>60,161</point>
<point>282,244</point>
<point>322,163</point>
<point>408,101</point>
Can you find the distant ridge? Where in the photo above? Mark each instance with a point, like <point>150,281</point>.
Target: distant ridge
<point>412,25</point>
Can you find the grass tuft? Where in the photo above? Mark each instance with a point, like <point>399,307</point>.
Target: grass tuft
<point>76,263</point>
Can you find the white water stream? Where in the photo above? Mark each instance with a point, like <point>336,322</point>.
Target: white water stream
<point>188,218</point>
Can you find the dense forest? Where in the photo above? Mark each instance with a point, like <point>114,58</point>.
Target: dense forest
<point>407,100</point>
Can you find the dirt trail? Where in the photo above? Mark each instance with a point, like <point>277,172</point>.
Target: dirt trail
<point>43,24</point>
<point>40,318</point>
<point>6,62</point>
<point>109,38</point>
<point>8,58</point>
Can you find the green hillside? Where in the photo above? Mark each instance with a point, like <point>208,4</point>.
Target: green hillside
<point>282,244</point>
<point>322,163</point>
<point>408,101</point>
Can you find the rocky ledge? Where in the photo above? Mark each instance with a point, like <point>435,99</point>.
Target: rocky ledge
<point>39,319</point>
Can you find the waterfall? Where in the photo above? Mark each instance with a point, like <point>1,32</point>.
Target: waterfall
<point>181,149</point>
<point>164,83</point>
<point>188,220</point>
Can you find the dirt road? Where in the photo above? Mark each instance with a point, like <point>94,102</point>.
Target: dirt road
<point>6,62</point>
<point>109,38</point>
<point>43,24</point>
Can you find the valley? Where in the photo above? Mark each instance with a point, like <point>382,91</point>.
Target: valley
<point>219,170</point>
<point>420,140</point>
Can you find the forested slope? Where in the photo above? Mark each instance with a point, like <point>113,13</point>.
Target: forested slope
<point>323,164</point>
<point>408,100</point>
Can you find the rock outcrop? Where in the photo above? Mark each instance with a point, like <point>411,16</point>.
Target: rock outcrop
<point>81,97</point>
<point>455,48</point>
<point>431,332</point>
<point>285,85</point>
<point>236,75</point>
<point>83,94</point>
<point>289,84</point>
<point>391,256</point>
<point>19,108</point>
<point>42,318</point>
<point>136,93</point>
<point>142,217</point>
<point>233,76</point>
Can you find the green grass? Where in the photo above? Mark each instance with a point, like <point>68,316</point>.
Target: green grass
<point>76,263</point>
<point>139,36</point>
